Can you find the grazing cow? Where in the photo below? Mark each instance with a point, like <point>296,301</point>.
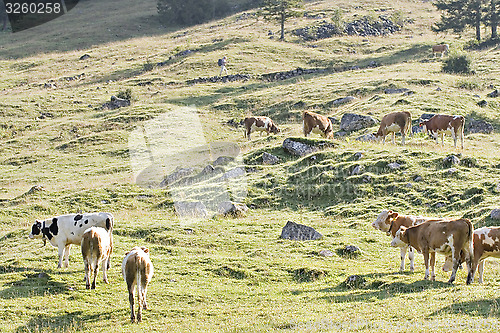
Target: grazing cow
<point>64,230</point>
<point>440,124</point>
<point>318,124</point>
<point>392,123</point>
<point>486,244</point>
<point>448,237</point>
<point>137,269</point>
<point>390,222</point>
<point>261,124</point>
<point>441,48</point>
<point>96,249</point>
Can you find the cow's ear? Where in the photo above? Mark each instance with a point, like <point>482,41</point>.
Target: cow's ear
<point>393,215</point>
<point>127,252</point>
<point>145,249</point>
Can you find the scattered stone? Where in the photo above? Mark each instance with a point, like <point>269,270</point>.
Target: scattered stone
<point>451,160</point>
<point>417,178</point>
<point>493,94</point>
<point>223,79</point>
<point>50,85</point>
<point>416,129</point>
<point>358,169</point>
<point>358,156</point>
<point>396,90</point>
<point>482,103</point>
<point>269,159</point>
<point>350,251</point>
<point>298,148</point>
<point>409,93</point>
<point>439,205</point>
<point>354,122</point>
<point>191,209</point>
<point>208,170</point>
<point>233,173</point>
<point>495,214</point>
<point>326,253</point>
<point>176,175</point>
<point>367,179</point>
<point>232,208</point>
<point>478,126</point>
<point>85,56</point>
<point>354,281</point>
<point>394,165</point>
<point>344,100</point>
<point>341,134</point>
<point>295,231</point>
<point>452,170</point>
<point>223,160</point>
<point>366,137</point>
<point>409,185</point>
<point>439,89</point>
<point>116,103</point>
<point>278,76</point>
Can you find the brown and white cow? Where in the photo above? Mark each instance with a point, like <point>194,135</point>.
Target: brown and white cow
<point>318,124</point>
<point>62,231</point>
<point>390,222</point>
<point>486,244</point>
<point>137,269</point>
<point>392,123</point>
<point>441,124</point>
<point>261,124</point>
<point>440,48</point>
<point>453,238</point>
<point>96,249</point>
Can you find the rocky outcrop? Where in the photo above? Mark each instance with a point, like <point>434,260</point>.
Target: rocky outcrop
<point>354,122</point>
<point>298,148</point>
<point>232,208</point>
<point>278,76</point>
<point>224,79</point>
<point>300,232</point>
<point>478,126</point>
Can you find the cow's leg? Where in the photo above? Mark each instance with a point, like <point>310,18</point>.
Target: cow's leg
<point>139,301</point>
<point>393,138</point>
<point>66,255</point>
<point>403,138</point>
<point>131,301</point>
<point>248,134</point>
<point>86,265</point>
<point>110,250</point>
<point>456,263</point>
<point>104,270</point>
<point>454,137</point>
<point>403,255</point>
<point>469,259</point>
<point>442,139</point>
<point>480,269</point>
<point>426,261</point>
<point>60,251</point>
<point>411,256</point>
<point>96,270</point>
<point>433,262</point>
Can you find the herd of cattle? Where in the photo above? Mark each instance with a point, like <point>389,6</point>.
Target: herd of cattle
<point>391,123</point>
<point>94,233</point>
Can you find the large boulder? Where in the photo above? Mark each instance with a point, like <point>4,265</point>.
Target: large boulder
<point>232,208</point>
<point>354,122</point>
<point>478,126</point>
<point>269,159</point>
<point>176,175</point>
<point>298,148</point>
<point>295,231</point>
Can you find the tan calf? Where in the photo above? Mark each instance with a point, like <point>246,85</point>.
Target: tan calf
<point>316,123</point>
<point>441,48</point>
<point>453,238</point>
<point>137,269</point>
<point>96,249</point>
<point>392,123</point>
<point>441,124</point>
<point>486,244</point>
<point>261,124</point>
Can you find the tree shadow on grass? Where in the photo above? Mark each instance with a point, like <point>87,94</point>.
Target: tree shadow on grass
<point>71,321</point>
<point>34,283</point>
<point>479,308</point>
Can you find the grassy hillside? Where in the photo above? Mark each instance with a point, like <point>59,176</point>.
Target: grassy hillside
<point>234,274</point>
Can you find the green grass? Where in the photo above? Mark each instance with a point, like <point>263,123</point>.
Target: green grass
<point>234,274</point>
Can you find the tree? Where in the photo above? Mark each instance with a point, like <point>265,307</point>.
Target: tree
<point>281,11</point>
<point>492,17</point>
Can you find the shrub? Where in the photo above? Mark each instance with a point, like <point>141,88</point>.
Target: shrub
<point>458,64</point>
<point>127,94</point>
<point>338,19</point>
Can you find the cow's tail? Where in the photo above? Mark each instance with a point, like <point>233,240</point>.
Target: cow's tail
<point>470,258</point>
<point>138,260</point>
<point>408,127</point>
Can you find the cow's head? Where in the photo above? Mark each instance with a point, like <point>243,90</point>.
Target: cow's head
<point>36,230</point>
<point>401,238</point>
<point>423,124</point>
<point>384,220</point>
<point>274,129</point>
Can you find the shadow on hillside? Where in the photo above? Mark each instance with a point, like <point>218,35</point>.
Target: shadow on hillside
<point>34,284</point>
<point>484,308</point>
<point>74,321</point>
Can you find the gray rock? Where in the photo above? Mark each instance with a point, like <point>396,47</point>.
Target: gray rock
<point>208,170</point>
<point>223,160</point>
<point>451,160</point>
<point>191,209</point>
<point>358,169</point>
<point>232,208</point>
<point>85,56</point>
<point>295,231</point>
<point>298,148</point>
<point>394,165</point>
<point>343,100</point>
<point>269,159</point>
<point>452,170</point>
<point>355,281</point>
<point>233,173</point>
<point>478,126</point>
<point>482,103</point>
<point>366,137</point>
<point>116,103</point>
<point>426,116</point>
<point>349,251</point>
<point>409,185</point>
<point>341,134</point>
<point>326,253</point>
<point>493,94</point>
<point>354,122</point>
<point>396,90</point>
<point>417,178</point>
<point>495,214</point>
<point>178,174</point>
<point>358,156</point>
<point>416,129</point>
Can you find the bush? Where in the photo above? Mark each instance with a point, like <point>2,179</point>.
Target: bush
<point>458,64</point>
<point>338,19</point>
<point>127,94</point>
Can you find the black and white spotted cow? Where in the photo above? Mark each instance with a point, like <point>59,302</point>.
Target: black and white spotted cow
<point>64,230</point>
